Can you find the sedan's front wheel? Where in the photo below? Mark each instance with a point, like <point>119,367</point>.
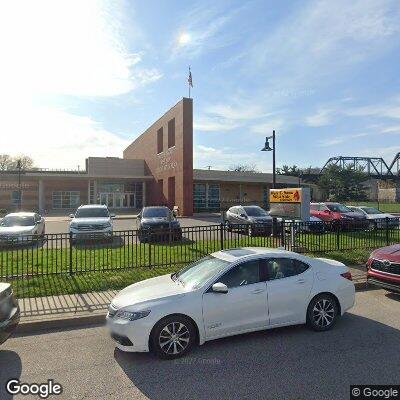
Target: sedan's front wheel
<point>322,312</point>
<point>173,337</point>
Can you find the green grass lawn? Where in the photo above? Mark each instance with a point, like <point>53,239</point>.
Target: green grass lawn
<point>385,207</point>
<point>96,268</point>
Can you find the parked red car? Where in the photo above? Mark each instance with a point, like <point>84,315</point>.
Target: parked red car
<point>383,268</point>
<point>339,215</point>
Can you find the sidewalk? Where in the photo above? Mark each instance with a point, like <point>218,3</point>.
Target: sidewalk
<point>73,310</point>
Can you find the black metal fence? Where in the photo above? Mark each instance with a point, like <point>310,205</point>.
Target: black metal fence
<point>31,256</point>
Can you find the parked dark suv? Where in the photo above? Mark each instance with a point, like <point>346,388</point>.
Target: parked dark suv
<point>248,219</point>
<point>158,223</point>
<point>9,312</point>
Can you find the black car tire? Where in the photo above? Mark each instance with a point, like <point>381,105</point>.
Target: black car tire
<point>185,334</point>
<point>322,321</point>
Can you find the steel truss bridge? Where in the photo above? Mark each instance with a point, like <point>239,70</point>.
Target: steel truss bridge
<point>375,167</point>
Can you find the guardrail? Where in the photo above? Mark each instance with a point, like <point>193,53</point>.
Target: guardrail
<point>54,254</point>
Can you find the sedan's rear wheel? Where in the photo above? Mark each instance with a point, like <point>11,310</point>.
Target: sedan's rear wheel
<point>173,337</point>
<point>322,312</point>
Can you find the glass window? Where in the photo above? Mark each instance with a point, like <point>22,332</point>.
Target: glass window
<point>198,273</point>
<point>314,207</point>
<point>171,133</point>
<point>160,139</point>
<point>213,197</point>
<point>66,199</point>
<point>284,267</point>
<point>371,210</point>
<point>338,208</point>
<point>155,212</point>
<point>255,211</point>
<point>15,200</point>
<point>17,221</point>
<point>95,212</point>
<point>199,196</point>
<point>246,273</point>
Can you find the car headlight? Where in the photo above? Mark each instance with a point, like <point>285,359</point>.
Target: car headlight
<point>132,316</point>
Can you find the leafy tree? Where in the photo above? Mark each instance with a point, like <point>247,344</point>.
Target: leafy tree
<point>343,184</point>
<point>243,168</point>
<point>294,170</point>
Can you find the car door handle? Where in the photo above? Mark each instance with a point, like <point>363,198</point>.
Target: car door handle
<point>301,281</point>
<point>255,291</point>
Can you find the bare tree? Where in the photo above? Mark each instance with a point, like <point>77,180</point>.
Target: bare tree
<point>5,162</point>
<point>10,163</point>
<point>243,168</point>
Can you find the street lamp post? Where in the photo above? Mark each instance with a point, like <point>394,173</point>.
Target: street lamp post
<point>19,166</point>
<point>267,147</point>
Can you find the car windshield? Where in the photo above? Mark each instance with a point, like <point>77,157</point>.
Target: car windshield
<point>18,221</point>
<point>255,211</point>
<point>371,210</point>
<point>92,213</point>
<point>195,275</point>
<point>338,208</point>
<point>155,212</point>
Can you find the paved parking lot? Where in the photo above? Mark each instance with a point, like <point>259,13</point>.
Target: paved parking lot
<point>286,363</point>
<point>61,226</point>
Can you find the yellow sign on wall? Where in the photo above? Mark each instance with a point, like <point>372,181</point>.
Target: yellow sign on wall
<point>285,195</point>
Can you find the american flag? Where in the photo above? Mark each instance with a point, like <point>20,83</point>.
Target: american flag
<point>190,81</point>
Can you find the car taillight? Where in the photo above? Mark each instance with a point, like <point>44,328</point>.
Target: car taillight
<point>347,275</point>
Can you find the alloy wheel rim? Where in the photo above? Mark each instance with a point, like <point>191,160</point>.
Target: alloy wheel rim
<point>174,338</point>
<point>323,313</point>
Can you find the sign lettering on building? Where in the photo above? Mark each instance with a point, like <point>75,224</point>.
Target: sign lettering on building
<point>285,195</point>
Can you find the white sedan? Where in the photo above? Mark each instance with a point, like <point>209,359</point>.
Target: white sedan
<point>20,227</point>
<point>227,293</point>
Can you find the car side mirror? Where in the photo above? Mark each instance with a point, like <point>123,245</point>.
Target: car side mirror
<point>72,216</point>
<point>243,216</point>
<point>139,216</point>
<point>219,287</point>
<point>112,215</point>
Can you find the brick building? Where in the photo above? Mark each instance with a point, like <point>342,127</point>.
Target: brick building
<point>156,168</point>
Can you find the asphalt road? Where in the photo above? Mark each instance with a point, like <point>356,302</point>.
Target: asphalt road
<point>129,224</point>
<point>286,363</point>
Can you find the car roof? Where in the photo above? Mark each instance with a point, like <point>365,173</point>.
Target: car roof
<point>21,214</point>
<point>156,207</point>
<point>239,253</point>
<point>93,206</point>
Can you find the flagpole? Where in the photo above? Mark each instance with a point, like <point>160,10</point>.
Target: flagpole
<point>189,82</point>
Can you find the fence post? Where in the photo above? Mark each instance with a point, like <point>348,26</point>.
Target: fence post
<point>387,231</point>
<point>337,236</point>
<point>283,244</point>
<point>71,272</point>
<point>221,234</point>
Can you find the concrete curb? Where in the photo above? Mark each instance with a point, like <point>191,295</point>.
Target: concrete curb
<point>87,319</point>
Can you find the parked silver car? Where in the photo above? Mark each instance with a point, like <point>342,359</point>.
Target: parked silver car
<point>92,221</point>
<point>249,219</point>
<point>21,227</point>
<point>377,218</point>
<point>9,312</point>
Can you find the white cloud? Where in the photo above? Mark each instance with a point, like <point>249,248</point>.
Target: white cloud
<point>321,118</point>
<point>209,124</point>
<point>391,129</point>
<point>266,128</point>
<point>341,139</point>
<point>225,157</point>
<point>382,111</point>
<point>57,139</point>
<point>67,47</point>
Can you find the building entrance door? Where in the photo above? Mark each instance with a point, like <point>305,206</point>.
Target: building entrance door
<point>118,200</point>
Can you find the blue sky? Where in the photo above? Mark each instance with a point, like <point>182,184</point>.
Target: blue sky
<point>83,78</point>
